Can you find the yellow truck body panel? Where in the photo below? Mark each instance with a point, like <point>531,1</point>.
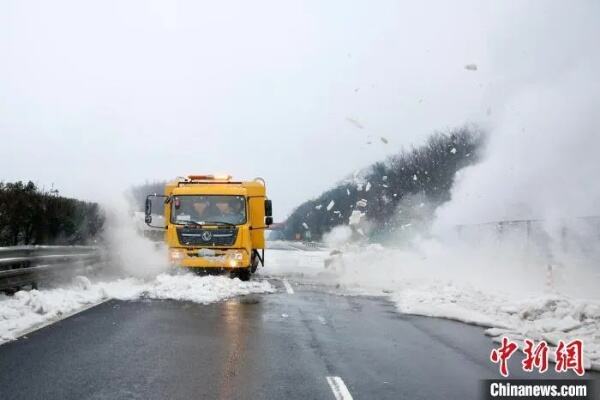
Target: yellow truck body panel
<point>215,222</point>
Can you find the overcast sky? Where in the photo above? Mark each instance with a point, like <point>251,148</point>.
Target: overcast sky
<point>97,95</point>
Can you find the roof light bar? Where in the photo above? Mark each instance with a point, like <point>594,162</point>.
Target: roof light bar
<point>209,177</point>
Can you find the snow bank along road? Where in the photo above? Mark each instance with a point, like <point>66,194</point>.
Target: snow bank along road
<point>308,343</point>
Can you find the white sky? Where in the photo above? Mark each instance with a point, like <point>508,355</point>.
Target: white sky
<point>97,95</point>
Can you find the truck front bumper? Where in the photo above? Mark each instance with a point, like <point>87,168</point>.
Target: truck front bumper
<point>209,258</point>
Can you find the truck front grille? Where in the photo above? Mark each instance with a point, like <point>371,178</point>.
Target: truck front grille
<point>207,237</point>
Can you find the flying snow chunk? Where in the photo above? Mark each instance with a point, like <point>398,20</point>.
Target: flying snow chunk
<point>305,225</point>
<point>355,217</point>
<point>384,140</point>
<point>453,151</point>
<point>355,123</point>
<point>330,205</point>
<point>384,178</point>
<point>368,187</point>
<point>415,177</point>
<point>471,67</point>
<point>361,203</point>
<point>319,207</point>
<point>348,191</point>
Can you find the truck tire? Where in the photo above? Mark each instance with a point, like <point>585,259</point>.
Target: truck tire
<point>243,274</point>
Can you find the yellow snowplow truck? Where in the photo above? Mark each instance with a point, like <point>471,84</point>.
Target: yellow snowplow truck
<point>214,223</point>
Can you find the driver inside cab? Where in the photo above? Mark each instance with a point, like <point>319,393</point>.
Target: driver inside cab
<point>230,210</point>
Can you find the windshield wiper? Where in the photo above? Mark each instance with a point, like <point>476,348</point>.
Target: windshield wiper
<point>188,223</point>
<point>217,223</point>
<point>202,223</point>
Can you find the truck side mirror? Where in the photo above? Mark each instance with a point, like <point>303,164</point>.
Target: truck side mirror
<point>268,221</point>
<point>148,211</point>
<point>268,208</point>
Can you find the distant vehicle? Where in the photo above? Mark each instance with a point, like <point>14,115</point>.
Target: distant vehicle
<point>214,223</point>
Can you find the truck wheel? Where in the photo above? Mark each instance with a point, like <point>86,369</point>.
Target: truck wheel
<point>243,274</point>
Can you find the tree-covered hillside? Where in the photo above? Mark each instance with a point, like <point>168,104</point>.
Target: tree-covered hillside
<point>391,195</point>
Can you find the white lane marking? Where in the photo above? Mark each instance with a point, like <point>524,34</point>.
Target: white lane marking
<point>338,387</point>
<point>34,328</point>
<point>322,320</point>
<point>288,287</point>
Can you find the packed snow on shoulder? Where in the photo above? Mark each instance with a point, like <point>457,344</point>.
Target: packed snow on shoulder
<point>551,317</point>
<point>501,293</point>
<point>28,309</point>
<point>295,261</point>
<point>512,298</point>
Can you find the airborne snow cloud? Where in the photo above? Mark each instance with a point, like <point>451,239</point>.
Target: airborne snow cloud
<point>542,158</point>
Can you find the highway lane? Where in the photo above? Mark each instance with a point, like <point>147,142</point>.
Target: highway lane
<point>272,346</point>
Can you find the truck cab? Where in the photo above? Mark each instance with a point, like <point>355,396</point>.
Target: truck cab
<point>214,223</point>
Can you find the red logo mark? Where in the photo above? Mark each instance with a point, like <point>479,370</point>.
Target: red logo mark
<point>570,357</point>
<point>535,357</point>
<point>502,355</point>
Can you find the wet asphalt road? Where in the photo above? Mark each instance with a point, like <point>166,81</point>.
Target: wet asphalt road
<point>272,346</point>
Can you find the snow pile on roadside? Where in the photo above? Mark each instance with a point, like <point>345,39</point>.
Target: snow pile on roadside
<point>550,317</point>
<point>28,309</point>
<point>296,263</point>
<point>502,292</point>
<point>184,287</point>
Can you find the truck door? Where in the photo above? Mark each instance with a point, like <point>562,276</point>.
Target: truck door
<point>256,208</point>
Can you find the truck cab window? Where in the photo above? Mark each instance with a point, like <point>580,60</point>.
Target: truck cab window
<point>199,209</point>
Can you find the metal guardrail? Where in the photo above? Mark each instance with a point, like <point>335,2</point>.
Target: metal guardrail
<point>26,265</point>
<point>294,245</point>
<point>577,237</point>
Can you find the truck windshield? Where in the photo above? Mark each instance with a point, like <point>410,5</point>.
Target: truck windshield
<point>208,209</point>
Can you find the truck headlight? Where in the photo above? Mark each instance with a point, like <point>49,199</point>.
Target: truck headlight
<point>236,255</point>
<point>234,258</point>
<point>176,255</point>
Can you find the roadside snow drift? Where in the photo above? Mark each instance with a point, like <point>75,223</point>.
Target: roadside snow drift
<point>512,297</point>
<point>27,309</point>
